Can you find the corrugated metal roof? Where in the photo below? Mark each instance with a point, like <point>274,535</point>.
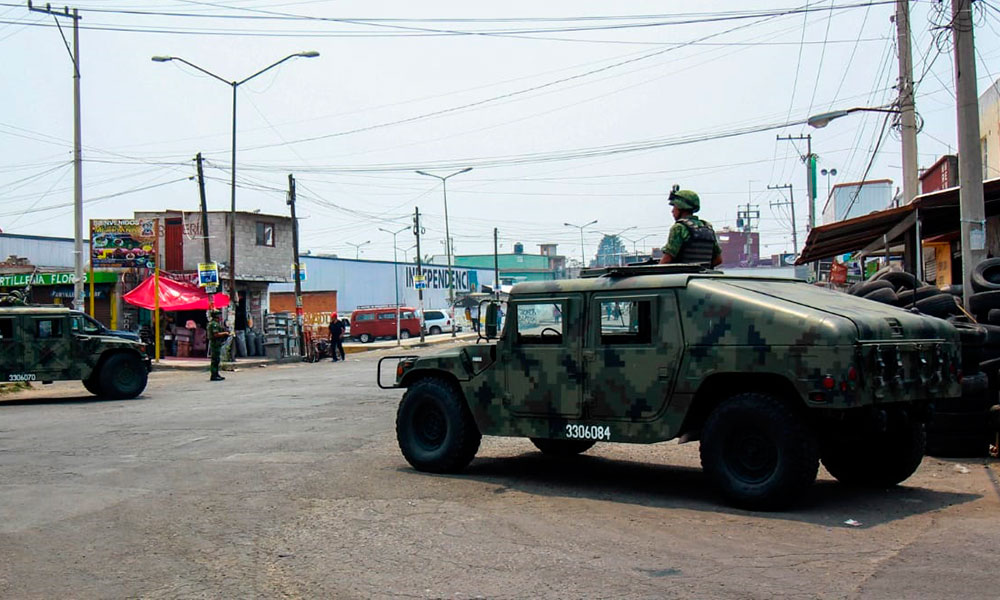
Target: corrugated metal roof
<point>939,214</point>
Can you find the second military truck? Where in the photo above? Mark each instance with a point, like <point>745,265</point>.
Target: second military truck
<point>772,376</point>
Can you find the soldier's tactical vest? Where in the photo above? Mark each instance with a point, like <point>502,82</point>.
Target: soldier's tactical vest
<point>699,247</point>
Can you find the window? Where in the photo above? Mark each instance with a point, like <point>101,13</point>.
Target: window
<point>84,324</point>
<point>433,314</point>
<point>626,322</point>
<point>387,316</point>
<point>48,328</point>
<point>265,234</point>
<point>407,315</point>
<point>540,323</point>
<point>6,330</point>
<point>365,317</point>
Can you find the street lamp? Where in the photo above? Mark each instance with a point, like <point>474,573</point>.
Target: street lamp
<point>395,273</point>
<point>447,237</point>
<point>823,119</point>
<point>357,248</point>
<point>232,209</point>
<point>829,173</point>
<point>635,252</point>
<point>583,259</point>
<point>405,252</point>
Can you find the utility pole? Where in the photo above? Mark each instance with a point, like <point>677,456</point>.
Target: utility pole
<point>74,55</point>
<point>295,257</point>
<point>745,218</point>
<point>791,203</point>
<point>210,290</point>
<point>905,101</point>
<point>810,160</point>
<point>417,230</point>
<point>496,262</point>
<point>972,212</point>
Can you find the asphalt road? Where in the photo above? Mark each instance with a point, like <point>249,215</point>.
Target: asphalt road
<point>286,482</point>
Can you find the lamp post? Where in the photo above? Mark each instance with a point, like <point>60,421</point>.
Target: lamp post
<point>583,259</point>
<point>447,237</point>
<point>829,173</point>
<point>635,252</point>
<point>357,248</point>
<point>395,273</point>
<point>406,254</point>
<point>232,209</point>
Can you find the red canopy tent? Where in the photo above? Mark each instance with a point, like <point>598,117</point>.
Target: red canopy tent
<point>174,295</point>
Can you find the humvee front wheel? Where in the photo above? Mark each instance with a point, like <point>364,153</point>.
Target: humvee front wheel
<point>122,376</point>
<point>880,460</point>
<point>758,452</point>
<point>562,447</point>
<point>434,428</point>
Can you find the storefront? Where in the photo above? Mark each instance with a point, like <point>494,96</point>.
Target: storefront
<point>57,288</point>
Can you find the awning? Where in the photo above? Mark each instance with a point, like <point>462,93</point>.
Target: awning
<point>174,295</point>
<point>938,213</point>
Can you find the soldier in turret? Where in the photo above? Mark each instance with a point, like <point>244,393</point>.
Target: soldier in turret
<point>691,239</point>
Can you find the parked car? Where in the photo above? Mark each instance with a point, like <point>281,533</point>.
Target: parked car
<point>369,323</point>
<point>438,321</point>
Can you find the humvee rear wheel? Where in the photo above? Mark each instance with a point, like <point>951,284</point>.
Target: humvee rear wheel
<point>92,386</point>
<point>434,428</point>
<point>562,447</point>
<point>122,376</point>
<point>758,452</point>
<point>879,460</point>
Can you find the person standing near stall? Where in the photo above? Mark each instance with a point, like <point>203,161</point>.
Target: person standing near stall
<point>217,334</point>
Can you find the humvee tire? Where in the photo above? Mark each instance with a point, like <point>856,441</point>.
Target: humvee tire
<point>434,428</point>
<point>562,447</point>
<point>758,452</point>
<point>878,461</point>
<point>122,377</point>
<point>92,386</point>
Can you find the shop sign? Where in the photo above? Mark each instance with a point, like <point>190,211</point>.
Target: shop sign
<point>123,243</point>
<point>21,279</point>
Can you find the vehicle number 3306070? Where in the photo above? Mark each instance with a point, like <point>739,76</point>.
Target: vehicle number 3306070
<point>588,432</point>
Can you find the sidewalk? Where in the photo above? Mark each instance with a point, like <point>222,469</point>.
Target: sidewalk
<point>173,363</point>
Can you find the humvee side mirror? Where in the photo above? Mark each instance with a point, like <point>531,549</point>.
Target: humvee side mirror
<point>491,320</point>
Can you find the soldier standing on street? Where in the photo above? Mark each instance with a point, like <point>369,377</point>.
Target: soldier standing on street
<point>217,334</point>
<point>691,239</point>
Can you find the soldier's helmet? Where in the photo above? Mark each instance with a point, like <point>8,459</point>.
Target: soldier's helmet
<point>685,199</point>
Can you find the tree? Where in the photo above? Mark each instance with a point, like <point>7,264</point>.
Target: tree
<point>609,252</point>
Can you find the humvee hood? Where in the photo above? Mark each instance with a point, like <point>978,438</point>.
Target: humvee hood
<point>871,320</point>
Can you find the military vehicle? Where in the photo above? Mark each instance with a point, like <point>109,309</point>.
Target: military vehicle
<point>53,343</point>
<point>771,375</point>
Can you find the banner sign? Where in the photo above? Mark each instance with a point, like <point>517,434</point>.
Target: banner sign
<point>21,279</point>
<point>208,274</point>
<point>123,243</point>
<point>437,278</point>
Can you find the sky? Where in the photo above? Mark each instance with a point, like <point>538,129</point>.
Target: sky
<point>567,112</point>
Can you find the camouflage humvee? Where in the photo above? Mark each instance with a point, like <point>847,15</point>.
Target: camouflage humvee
<point>771,375</point>
<point>50,343</point>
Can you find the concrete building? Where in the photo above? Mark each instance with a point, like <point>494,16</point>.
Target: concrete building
<point>989,131</point>
<point>739,248</point>
<point>263,252</point>
<point>517,266</point>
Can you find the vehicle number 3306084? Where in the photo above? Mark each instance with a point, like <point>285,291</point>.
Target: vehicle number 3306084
<point>588,432</point>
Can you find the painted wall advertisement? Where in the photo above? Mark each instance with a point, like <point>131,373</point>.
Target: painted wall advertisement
<point>437,278</point>
<point>123,243</point>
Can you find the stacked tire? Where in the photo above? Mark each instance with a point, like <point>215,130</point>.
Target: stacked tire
<point>961,426</point>
<point>902,289</point>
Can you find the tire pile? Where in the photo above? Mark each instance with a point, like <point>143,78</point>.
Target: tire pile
<point>961,426</point>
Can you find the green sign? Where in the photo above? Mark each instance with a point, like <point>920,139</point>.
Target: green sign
<point>21,279</point>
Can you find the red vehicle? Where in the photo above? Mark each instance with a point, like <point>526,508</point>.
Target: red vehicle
<point>370,322</point>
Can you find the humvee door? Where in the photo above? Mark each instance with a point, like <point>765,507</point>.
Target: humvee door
<point>47,347</point>
<point>632,355</point>
<point>542,356</point>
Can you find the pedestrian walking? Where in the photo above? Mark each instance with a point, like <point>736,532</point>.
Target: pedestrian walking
<point>336,337</point>
<point>217,334</point>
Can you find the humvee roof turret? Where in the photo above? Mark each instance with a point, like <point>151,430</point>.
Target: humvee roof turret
<point>771,375</point>
<point>53,343</point>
